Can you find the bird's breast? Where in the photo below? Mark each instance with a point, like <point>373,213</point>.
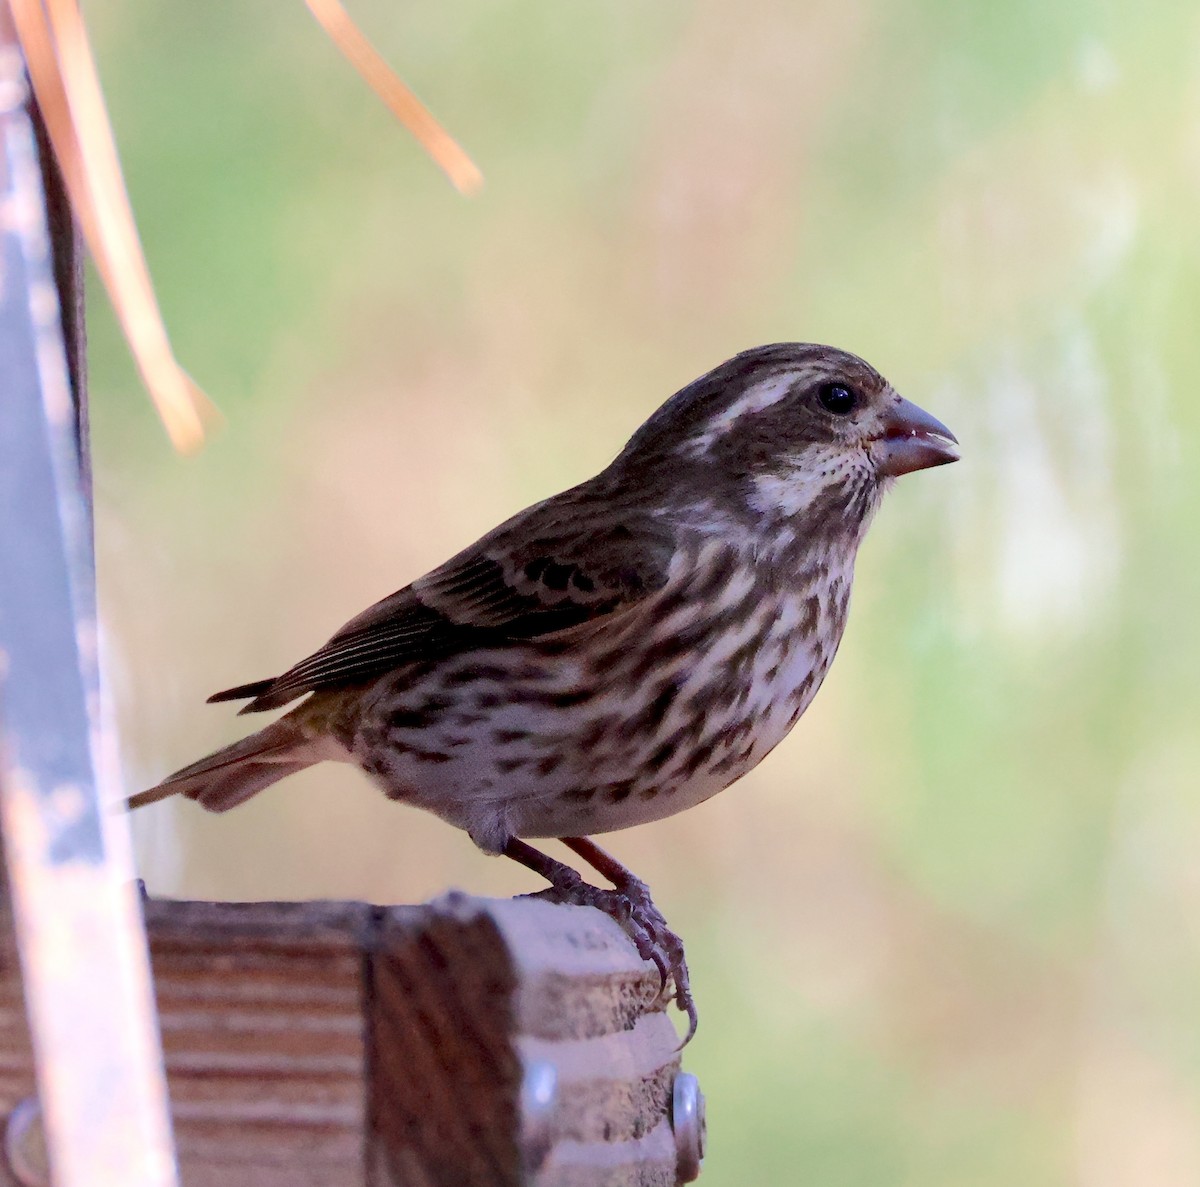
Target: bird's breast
<point>696,693</point>
<point>633,721</point>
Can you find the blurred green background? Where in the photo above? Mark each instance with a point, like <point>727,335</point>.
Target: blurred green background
<point>949,933</point>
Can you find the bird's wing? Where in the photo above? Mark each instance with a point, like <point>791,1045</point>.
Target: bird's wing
<point>537,575</point>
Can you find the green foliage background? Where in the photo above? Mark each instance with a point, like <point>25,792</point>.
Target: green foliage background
<point>949,932</point>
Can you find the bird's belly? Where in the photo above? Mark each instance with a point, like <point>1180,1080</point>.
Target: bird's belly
<point>533,746</point>
<point>729,734</point>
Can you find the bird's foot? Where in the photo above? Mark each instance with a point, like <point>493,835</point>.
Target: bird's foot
<point>632,907</point>
<point>629,903</point>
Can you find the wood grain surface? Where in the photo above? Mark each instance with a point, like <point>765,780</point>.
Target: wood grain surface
<point>344,1044</point>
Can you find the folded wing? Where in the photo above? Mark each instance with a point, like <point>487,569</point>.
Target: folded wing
<point>516,583</point>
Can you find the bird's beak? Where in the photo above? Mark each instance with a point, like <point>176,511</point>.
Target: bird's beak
<point>911,440</point>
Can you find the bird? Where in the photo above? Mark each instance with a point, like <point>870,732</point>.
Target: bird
<point>619,652</point>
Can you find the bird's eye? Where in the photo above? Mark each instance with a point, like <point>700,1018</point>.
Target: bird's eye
<point>837,398</point>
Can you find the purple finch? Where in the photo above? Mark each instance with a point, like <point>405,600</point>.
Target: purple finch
<point>621,651</point>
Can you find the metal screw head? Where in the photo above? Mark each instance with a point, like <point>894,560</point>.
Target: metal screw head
<point>25,1144</point>
<point>539,1096</point>
<point>690,1126</point>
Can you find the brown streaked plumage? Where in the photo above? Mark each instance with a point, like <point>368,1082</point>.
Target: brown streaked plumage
<point>621,651</point>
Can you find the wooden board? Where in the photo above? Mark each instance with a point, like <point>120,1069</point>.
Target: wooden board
<point>463,1043</point>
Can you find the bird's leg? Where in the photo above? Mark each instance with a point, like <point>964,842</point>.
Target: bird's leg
<point>629,904</point>
<point>666,941</point>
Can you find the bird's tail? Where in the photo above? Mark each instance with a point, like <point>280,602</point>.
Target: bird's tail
<point>232,775</point>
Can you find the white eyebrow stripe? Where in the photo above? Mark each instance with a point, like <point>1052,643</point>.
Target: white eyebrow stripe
<point>755,399</point>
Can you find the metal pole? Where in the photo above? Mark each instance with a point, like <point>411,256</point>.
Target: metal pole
<point>82,945</point>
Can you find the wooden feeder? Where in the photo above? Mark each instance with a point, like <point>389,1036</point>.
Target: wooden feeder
<point>465,1042</point>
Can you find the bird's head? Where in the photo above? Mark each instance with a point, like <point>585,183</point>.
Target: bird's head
<point>793,429</point>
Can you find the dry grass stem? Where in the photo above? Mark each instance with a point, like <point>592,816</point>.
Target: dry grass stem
<point>65,82</point>
<point>404,105</point>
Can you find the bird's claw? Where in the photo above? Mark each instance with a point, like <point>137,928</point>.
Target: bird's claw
<point>632,907</point>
